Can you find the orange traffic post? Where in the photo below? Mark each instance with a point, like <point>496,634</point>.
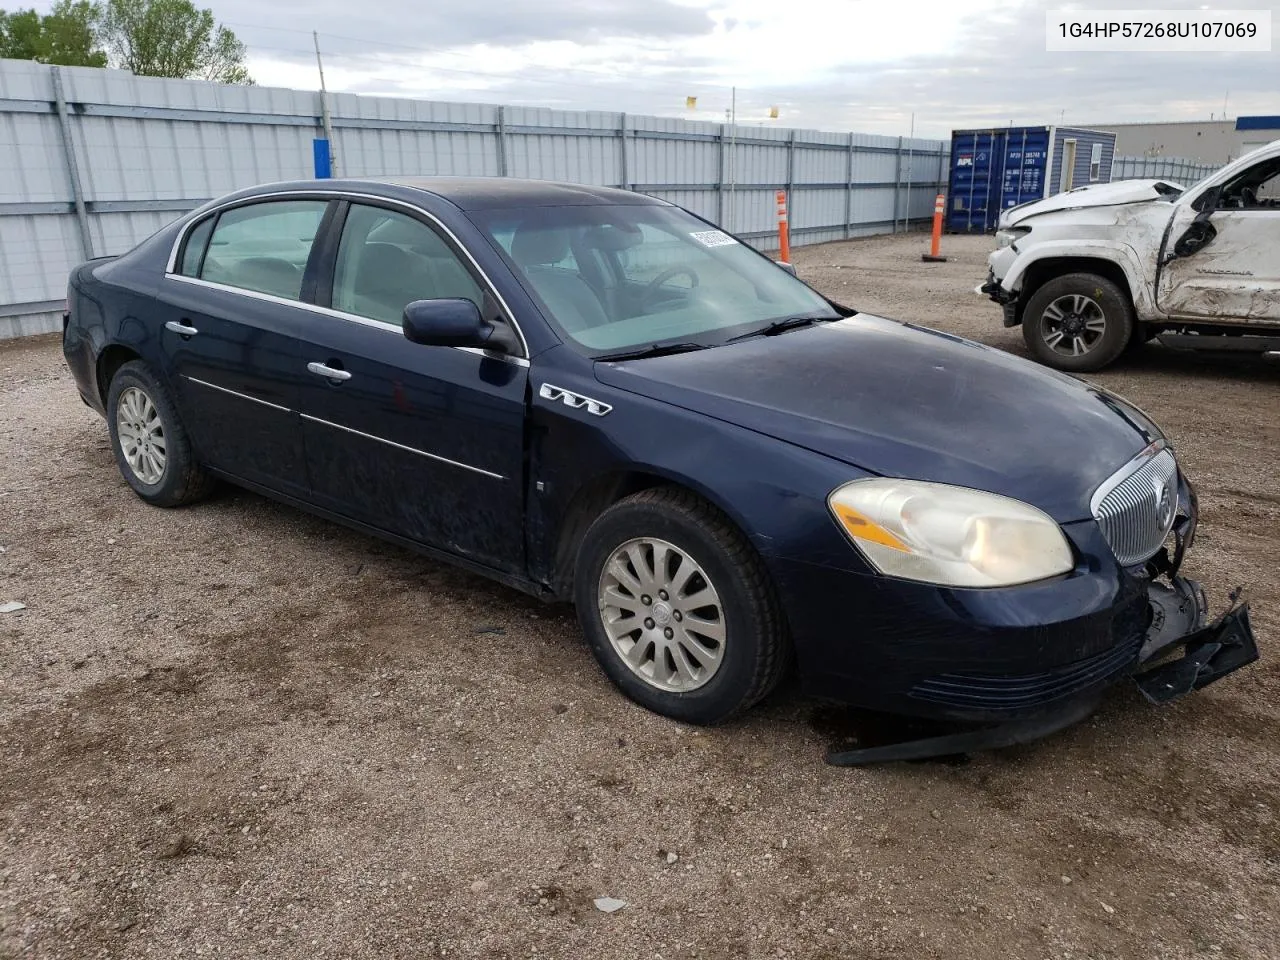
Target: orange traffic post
<point>939,206</point>
<point>784,234</point>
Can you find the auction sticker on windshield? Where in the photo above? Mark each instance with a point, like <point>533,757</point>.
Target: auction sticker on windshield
<point>713,238</point>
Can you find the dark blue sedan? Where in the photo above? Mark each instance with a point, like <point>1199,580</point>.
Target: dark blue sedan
<point>596,396</point>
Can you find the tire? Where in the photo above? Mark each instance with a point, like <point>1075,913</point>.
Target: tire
<point>1078,322</point>
<point>163,470</point>
<point>701,678</point>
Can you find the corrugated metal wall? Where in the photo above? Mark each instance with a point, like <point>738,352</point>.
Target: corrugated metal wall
<point>1185,172</point>
<point>94,161</point>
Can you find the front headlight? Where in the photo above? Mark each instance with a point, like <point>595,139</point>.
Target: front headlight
<point>949,535</point>
<point>1007,235</point>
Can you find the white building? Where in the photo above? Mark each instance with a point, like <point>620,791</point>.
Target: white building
<point>1209,141</point>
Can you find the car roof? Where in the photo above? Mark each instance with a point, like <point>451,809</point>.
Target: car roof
<point>475,193</point>
<point>489,193</point>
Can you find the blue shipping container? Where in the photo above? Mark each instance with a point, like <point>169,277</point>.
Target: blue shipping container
<point>995,169</point>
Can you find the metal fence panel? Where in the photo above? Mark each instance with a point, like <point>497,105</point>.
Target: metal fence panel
<point>98,169</point>
<point>1183,171</point>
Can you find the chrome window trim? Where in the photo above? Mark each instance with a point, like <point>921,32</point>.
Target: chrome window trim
<point>1147,453</point>
<point>336,314</point>
<point>236,393</point>
<point>401,446</point>
<point>171,266</point>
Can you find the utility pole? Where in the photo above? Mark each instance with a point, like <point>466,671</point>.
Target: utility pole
<point>324,106</point>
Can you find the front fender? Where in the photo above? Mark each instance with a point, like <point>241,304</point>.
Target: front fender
<point>775,492</point>
<point>1121,254</point>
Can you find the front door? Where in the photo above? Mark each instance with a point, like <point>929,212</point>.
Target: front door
<point>1236,275</point>
<point>232,312</point>
<point>425,442</point>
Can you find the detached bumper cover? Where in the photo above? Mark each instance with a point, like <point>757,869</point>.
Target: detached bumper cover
<point>1209,654</point>
<point>1178,610</point>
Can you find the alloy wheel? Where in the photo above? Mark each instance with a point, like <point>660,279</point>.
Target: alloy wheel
<point>141,435</point>
<point>662,615</point>
<point>1073,324</point>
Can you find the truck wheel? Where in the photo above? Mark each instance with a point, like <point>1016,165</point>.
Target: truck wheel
<point>1078,322</point>
<point>678,607</point>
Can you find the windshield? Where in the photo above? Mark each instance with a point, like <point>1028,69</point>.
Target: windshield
<point>626,276</point>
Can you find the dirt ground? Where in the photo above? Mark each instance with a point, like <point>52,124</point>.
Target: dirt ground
<point>237,731</point>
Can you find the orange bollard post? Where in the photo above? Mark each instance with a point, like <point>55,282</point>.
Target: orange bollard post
<point>784,233</point>
<point>939,205</point>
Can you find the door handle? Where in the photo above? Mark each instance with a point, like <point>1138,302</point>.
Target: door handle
<point>182,328</point>
<point>329,373</point>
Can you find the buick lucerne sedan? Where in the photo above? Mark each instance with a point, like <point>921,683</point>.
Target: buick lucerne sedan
<point>597,396</point>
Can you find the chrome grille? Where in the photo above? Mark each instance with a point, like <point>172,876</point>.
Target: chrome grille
<point>1136,507</point>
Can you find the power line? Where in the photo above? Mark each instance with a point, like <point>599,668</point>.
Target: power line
<point>428,68</point>
<point>595,74</point>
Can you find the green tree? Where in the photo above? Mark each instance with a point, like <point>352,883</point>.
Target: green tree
<point>20,37</point>
<point>171,38</point>
<point>66,37</point>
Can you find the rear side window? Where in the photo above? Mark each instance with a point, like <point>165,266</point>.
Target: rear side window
<point>264,246</point>
<point>193,251</point>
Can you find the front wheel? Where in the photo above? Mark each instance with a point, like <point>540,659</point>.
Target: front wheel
<point>678,608</point>
<point>1078,322</point>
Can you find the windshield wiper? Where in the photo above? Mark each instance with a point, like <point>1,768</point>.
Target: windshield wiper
<point>653,350</point>
<point>775,327</point>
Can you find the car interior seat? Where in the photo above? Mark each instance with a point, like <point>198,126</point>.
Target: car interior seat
<point>570,298</point>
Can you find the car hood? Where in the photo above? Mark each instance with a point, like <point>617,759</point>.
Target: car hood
<point>905,401</point>
<point>1095,195</point>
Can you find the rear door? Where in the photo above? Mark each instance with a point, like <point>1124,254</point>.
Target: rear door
<point>425,442</point>
<point>1236,275</point>
<point>232,306</point>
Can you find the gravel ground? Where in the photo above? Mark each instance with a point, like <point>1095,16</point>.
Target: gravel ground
<point>236,730</point>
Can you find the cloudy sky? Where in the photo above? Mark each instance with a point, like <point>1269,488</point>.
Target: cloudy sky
<point>864,65</point>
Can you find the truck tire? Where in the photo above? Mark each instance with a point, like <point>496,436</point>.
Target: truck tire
<point>1078,322</point>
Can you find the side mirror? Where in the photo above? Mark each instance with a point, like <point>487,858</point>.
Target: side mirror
<point>1198,235</point>
<point>450,323</point>
<point>789,267</point>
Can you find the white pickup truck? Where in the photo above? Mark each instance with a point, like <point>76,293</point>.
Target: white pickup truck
<point>1092,271</point>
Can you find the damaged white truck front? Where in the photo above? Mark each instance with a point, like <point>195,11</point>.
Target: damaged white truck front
<point>1092,272</point>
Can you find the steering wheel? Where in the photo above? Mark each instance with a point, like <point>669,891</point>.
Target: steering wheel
<point>653,285</point>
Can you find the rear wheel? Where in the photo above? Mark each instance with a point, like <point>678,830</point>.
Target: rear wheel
<point>1078,322</point>
<point>151,446</point>
<point>678,608</point>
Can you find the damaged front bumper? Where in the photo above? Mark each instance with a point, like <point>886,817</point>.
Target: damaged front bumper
<point>1208,653</point>
<point>1178,626</point>
<point>1008,300</point>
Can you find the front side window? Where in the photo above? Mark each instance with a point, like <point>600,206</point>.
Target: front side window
<point>386,260</point>
<point>617,277</point>
<point>263,246</point>
<point>1256,188</point>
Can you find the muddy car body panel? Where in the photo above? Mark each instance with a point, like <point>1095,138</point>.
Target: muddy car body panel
<point>501,460</point>
<point>1140,235</point>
